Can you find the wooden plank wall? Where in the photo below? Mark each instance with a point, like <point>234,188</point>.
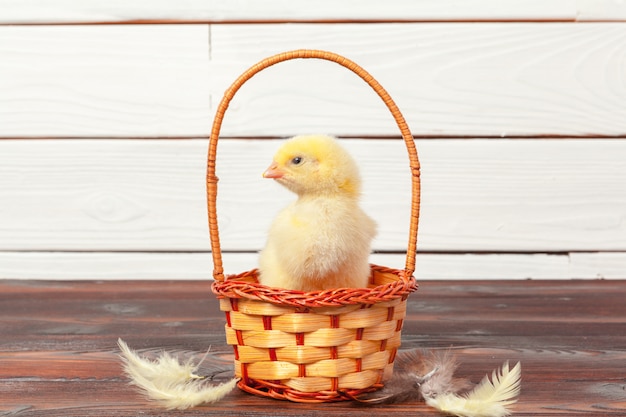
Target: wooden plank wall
<point>518,108</point>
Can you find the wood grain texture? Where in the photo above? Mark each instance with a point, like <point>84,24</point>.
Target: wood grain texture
<point>98,81</point>
<point>592,10</point>
<point>66,11</point>
<point>199,265</point>
<point>59,357</point>
<point>119,11</point>
<point>149,195</point>
<point>449,79</point>
<point>114,208</point>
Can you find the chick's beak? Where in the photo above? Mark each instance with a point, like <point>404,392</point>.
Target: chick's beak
<point>273,171</point>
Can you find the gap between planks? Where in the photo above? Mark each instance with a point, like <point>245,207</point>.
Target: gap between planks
<point>348,137</point>
<point>198,265</point>
<point>307,21</point>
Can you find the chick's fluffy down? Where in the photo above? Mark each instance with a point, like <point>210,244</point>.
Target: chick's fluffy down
<point>322,240</point>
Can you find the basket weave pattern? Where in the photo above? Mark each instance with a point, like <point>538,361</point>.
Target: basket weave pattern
<point>314,346</point>
<point>319,346</point>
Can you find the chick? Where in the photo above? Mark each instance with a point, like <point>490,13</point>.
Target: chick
<point>322,240</point>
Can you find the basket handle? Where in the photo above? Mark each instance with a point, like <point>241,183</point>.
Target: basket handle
<point>211,179</point>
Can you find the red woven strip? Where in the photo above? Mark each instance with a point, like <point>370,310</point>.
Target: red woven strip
<point>272,353</point>
<point>239,337</point>
<point>228,318</point>
<point>359,333</point>
<point>334,352</point>
<point>383,345</point>
<point>236,352</point>
<point>399,325</point>
<point>301,370</point>
<point>234,304</point>
<point>267,322</point>
<point>244,373</point>
<point>392,356</point>
<point>334,384</point>
<point>359,364</point>
<point>300,339</point>
<point>390,313</point>
<point>334,321</point>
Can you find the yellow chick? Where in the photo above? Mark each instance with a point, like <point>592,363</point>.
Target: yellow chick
<point>322,240</point>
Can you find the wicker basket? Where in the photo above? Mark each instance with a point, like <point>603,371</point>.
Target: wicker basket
<point>317,346</point>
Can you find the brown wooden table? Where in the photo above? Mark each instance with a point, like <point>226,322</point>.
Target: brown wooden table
<point>58,353</point>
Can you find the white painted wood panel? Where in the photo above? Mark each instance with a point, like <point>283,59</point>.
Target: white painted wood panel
<point>600,264</point>
<point>594,10</point>
<point>124,208</point>
<point>448,79</point>
<point>167,265</point>
<point>147,195</point>
<point>104,81</point>
<point>86,11</point>
<point>64,11</point>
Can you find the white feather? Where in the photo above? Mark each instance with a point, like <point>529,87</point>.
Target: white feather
<point>487,399</point>
<point>169,382</point>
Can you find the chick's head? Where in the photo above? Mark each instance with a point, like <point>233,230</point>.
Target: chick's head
<point>315,164</point>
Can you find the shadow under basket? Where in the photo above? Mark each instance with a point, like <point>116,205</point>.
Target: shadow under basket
<point>320,346</point>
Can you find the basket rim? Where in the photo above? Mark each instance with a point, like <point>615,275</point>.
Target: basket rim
<point>234,287</point>
<point>278,391</point>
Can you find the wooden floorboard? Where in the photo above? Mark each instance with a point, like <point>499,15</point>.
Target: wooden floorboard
<point>58,353</point>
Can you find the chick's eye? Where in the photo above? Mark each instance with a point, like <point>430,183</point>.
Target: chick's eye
<point>297,160</point>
